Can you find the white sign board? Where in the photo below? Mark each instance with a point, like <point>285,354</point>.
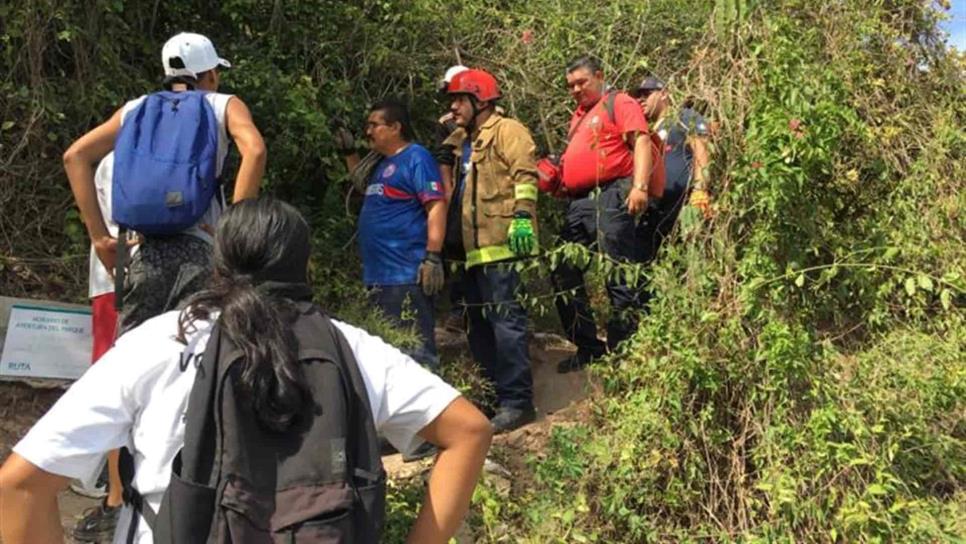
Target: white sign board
<point>46,342</point>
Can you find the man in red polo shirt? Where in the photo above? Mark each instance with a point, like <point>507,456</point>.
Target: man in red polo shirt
<point>606,168</point>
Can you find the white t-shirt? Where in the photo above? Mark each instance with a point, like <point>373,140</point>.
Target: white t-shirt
<point>136,396</point>
<point>101,281</point>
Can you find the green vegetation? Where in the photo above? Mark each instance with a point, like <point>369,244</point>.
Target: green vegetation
<point>801,376</point>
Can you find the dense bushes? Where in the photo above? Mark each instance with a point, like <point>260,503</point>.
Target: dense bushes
<point>802,376</point>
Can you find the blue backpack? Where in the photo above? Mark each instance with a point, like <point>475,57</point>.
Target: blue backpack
<point>165,159</point>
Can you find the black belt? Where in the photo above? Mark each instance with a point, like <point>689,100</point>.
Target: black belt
<point>602,186</point>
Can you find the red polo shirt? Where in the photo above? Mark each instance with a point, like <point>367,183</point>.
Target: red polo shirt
<point>598,152</point>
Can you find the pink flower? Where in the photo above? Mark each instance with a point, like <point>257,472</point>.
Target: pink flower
<point>794,124</point>
<point>527,37</point>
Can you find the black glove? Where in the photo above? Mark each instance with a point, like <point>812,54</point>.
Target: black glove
<point>431,273</point>
<point>345,141</point>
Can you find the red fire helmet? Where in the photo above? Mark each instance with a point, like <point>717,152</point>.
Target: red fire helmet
<point>478,83</point>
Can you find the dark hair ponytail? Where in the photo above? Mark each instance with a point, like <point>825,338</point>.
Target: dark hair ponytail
<point>260,259</point>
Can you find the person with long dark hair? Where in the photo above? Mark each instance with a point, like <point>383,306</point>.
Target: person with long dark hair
<point>137,395</point>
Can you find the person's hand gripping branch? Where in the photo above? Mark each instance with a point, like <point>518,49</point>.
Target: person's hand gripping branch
<point>701,201</point>
<point>344,142</point>
<point>343,139</point>
<point>697,210</point>
<point>520,238</point>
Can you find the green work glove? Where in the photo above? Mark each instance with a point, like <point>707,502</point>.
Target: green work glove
<point>520,237</point>
<point>431,273</point>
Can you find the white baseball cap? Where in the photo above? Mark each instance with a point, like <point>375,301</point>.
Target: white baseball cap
<point>189,54</point>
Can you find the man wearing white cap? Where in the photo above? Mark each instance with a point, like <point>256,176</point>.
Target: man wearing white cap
<point>444,127</point>
<point>164,271</point>
<point>196,52</point>
<point>453,245</point>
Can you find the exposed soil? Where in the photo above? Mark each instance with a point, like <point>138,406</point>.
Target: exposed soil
<point>21,405</point>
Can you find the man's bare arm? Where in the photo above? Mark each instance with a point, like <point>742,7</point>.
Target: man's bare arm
<point>701,161</point>
<point>251,147</point>
<point>435,225</point>
<point>29,513</point>
<point>80,163</point>
<point>643,162</point>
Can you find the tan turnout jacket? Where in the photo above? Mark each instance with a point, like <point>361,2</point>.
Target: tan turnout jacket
<point>502,179</point>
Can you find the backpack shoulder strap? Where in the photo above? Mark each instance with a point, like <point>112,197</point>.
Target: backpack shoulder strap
<point>200,462</point>
<point>573,130</point>
<point>201,431</point>
<point>363,459</point>
<point>609,106</point>
<point>133,497</point>
<point>610,99</point>
<point>368,462</point>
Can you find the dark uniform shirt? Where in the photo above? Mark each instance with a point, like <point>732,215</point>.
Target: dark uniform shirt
<point>678,156</point>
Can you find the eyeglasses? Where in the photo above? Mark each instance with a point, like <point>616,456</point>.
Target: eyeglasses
<point>373,124</point>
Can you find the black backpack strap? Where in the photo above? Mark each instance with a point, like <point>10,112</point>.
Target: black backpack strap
<point>201,429</point>
<point>202,462</point>
<point>358,460</point>
<point>367,475</point>
<point>120,265</point>
<point>348,393</point>
<point>609,106</point>
<point>132,497</point>
<point>191,501</point>
<point>361,420</point>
